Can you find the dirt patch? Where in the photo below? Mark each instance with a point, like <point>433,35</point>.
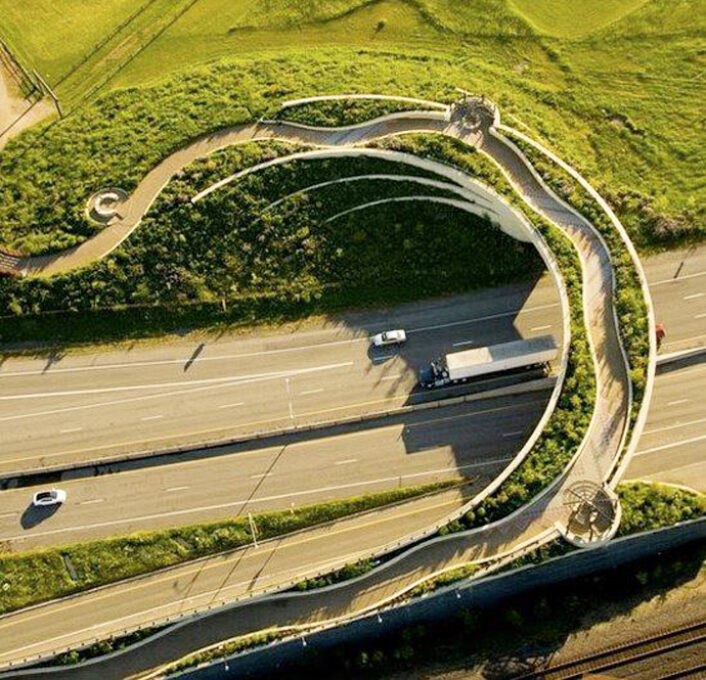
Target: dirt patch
<point>16,113</point>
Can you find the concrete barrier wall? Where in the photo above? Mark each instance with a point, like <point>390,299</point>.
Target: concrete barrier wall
<point>485,593</point>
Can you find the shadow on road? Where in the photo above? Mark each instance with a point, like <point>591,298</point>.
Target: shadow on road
<point>680,364</point>
<point>34,515</point>
<point>194,356</point>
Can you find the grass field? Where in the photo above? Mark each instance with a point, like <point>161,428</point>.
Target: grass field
<point>614,87</point>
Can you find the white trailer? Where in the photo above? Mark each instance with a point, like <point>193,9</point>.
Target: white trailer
<point>474,363</point>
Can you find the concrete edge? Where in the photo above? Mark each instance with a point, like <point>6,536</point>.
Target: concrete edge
<point>342,97</point>
<point>651,366</point>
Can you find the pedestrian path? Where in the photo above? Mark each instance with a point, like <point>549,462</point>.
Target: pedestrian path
<point>547,516</point>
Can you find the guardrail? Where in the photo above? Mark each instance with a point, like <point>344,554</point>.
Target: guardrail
<point>538,385</point>
<point>478,593</point>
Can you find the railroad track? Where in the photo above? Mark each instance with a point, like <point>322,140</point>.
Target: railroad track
<point>628,654</point>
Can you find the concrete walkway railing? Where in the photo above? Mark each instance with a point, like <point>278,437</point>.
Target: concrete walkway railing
<point>530,525</point>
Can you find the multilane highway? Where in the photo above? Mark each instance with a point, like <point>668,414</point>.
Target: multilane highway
<point>87,407</point>
<point>673,444</point>
<point>677,281</point>
<point>474,440</point>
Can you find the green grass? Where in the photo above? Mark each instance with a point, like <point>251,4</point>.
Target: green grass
<point>33,577</point>
<point>574,18</point>
<point>622,103</point>
<point>340,112</point>
<point>229,259</point>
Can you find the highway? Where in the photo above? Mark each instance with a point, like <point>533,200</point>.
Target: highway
<point>673,444</point>
<point>87,406</point>
<point>677,281</point>
<point>80,407</point>
<point>210,582</point>
<point>474,440</point>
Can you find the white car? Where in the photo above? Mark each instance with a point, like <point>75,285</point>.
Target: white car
<point>51,497</point>
<point>389,338</point>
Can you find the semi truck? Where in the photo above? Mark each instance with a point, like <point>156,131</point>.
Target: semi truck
<point>481,361</point>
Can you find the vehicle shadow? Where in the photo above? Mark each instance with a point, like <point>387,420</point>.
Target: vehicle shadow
<point>34,515</point>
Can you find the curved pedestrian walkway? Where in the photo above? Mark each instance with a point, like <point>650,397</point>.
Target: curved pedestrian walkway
<point>543,519</point>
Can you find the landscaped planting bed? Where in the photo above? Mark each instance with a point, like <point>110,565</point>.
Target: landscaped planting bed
<point>569,421</point>
<point>629,301</point>
<point>234,258</point>
<point>341,112</point>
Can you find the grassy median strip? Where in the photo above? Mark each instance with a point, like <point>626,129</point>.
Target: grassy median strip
<point>33,577</point>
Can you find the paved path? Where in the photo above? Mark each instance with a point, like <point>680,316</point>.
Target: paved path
<point>537,519</point>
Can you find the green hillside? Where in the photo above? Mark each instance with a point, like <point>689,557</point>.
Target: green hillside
<point>614,86</point>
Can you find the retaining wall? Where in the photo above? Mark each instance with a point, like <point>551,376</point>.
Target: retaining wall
<point>479,594</point>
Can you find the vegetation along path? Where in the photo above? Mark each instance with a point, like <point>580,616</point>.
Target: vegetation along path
<point>539,521</point>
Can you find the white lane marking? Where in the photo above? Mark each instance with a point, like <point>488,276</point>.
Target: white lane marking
<point>392,398</point>
<point>347,462</point>
<point>261,475</point>
<point>512,434</point>
<point>664,447</point>
<point>176,488</point>
<point>128,400</point>
<point>674,427</point>
<point>463,342</point>
<point>540,328</point>
<point>392,377</point>
<point>678,401</point>
<point>151,418</point>
<point>694,296</point>
<point>351,558</point>
<point>385,357</point>
<point>673,280</point>
<point>289,398</point>
<point>320,389</point>
<point>156,386</point>
<point>237,403</point>
<point>487,317</point>
<point>164,362</point>
<point>92,502</point>
<point>700,316</point>
<point>264,499</point>
<point>9,514</point>
<point>71,429</point>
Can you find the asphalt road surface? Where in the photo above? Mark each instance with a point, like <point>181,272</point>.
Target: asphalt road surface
<point>677,281</point>
<point>473,440</point>
<point>175,592</point>
<point>673,444</point>
<point>87,407</point>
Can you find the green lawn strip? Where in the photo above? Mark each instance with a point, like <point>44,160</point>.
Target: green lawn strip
<point>38,576</point>
<point>629,301</point>
<point>341,112</point>
<point>569,422</point>
<point>339,575</point>
<point>230,260</point>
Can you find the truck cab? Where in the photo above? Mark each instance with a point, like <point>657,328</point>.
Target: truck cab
<point>433,374</point>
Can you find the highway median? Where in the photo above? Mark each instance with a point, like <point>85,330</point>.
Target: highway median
<point>31,578</point>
